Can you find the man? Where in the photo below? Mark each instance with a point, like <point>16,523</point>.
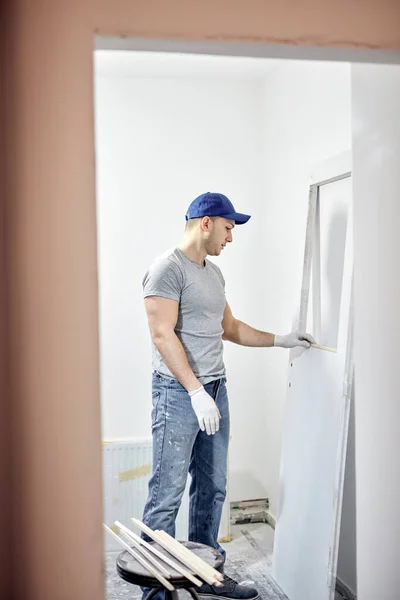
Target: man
<point>189,317</point>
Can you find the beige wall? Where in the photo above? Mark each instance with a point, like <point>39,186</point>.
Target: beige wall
<point>5,399</point>
<point>51,254</point>
<point>371,24</point>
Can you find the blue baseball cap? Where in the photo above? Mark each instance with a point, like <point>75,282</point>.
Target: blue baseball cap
<point>215,205</point>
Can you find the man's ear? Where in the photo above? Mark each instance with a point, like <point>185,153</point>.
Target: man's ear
<point>206,224</point>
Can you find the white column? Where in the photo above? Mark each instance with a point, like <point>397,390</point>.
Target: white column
<point>376,160</point>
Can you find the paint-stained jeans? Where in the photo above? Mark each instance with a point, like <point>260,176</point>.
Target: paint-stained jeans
<point>179,447</point>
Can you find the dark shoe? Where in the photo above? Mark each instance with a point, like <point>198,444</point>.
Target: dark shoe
<point>231,590</point>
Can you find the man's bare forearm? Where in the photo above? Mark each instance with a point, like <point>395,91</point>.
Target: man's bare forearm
<point>174,355</point>
<point>244,335</point>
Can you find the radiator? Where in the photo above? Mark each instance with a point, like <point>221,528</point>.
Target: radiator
<point>126,473</point>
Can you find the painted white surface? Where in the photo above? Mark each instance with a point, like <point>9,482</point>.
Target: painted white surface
<point>376,160</point>
<point>160,143</point>
<point>333,216</point>
<point>347,559</point>
<point>347,551</point>
<point>251,129</point>
<point>315,419</point>
<point>167,65</point>
<point>307,120</point>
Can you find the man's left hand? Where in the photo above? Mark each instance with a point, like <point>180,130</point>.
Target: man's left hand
<point>296,338</point>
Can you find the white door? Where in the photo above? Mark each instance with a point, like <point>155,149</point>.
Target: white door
<point>318,396</point>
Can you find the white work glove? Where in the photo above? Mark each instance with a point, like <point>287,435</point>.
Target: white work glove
<point>206,410</point>
<point>296,338</point>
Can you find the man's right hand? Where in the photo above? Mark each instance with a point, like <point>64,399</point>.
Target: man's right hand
<point>206,410</point>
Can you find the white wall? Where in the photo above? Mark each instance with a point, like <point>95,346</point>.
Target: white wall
<point>160,143</point>
<point>376,151</point>
<point>307,120</point>
<point>253,131</point>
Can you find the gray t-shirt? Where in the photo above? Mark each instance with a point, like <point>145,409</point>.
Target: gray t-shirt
<point>200,291</point>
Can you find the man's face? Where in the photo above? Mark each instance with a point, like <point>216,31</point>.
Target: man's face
<point>220,234</point>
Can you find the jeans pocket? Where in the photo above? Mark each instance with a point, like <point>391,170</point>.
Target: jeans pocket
<point>156,401</point>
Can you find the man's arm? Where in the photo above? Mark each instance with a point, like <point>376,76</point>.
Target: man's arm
<point>240,333</point>
<point>162,315</point>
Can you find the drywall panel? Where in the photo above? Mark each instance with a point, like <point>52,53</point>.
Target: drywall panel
<point>347,559</point>
<point>316,425</point>
<point>333,214</point>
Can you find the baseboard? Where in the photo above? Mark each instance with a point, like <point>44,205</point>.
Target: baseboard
<point>248,511</point>
<point>270,519</point>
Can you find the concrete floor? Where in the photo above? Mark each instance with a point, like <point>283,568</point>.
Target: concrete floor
<point>249,560</point>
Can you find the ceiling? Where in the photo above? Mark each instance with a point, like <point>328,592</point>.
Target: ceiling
<point>175,65</point>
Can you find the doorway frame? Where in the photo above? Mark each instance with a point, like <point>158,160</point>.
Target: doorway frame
<point>64,69</point>
<point>288,53</point>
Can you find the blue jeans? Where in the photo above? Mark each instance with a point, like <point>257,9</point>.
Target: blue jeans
<point>179,448</point>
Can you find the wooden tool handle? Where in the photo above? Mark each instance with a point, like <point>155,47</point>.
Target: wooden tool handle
<point>141,560</point>
<point>176,566</point>
<point>326,348</point>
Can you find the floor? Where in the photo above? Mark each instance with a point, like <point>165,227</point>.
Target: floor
<point>249,560</point>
